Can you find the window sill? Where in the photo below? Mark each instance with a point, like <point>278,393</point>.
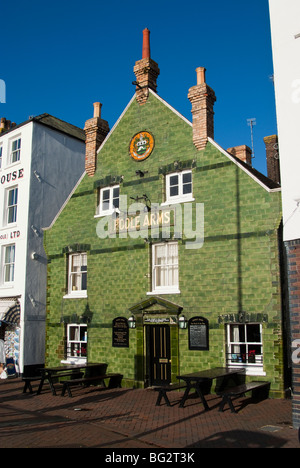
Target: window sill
<point>177,201</point>
<point>76,295</point>
<point>163,291</point>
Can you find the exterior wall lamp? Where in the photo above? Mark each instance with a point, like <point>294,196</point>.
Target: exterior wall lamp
<point>132,322</point>
<point>182,322</point>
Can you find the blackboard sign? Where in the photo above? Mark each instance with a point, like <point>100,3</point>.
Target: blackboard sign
<point>198,334</point>
<point>120,333</point>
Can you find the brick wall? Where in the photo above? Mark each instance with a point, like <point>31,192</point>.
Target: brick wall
<point>293,267</point>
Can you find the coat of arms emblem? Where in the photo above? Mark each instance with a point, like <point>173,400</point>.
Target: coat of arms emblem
<point>141,146</point>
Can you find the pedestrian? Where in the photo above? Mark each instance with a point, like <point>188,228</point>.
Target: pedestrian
<point>3,374</point>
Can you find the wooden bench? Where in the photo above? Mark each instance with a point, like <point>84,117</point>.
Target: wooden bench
<point>165,389</point>
<point>27,383</point>
<point>115,381</point>
<point>258,389</point>
<point>27,380</point>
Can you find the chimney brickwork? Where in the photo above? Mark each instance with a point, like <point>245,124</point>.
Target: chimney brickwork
<point>96,130</point>
<point>6,125</point>
<point>243,152</point>
<point>273,163</point>
<point>202,98</point>
<point>146,71</point>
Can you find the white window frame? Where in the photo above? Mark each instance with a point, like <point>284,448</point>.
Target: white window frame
<point>1,158</point>
<point>8,263</point>
<point>15,152</point>
<point>75,346</point>
<point>13,207</point>
<point>72,292</point>
<point>236,357</point>
<point>110,207</point>
<point>180,197</point>
<point>167,265</point>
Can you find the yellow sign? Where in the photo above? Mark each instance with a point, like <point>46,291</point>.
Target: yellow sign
<point>141,146</point>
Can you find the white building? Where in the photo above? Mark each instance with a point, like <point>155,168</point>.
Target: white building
<point>41,161</point>
<point>285,30</point>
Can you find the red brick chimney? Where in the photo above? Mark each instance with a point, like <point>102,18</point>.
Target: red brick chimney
<point>146,71</point>
<point>6,125</point>
<point>273,163</point>
<point>96,130</point>
<point>243,152</point>
<point>202,98</point>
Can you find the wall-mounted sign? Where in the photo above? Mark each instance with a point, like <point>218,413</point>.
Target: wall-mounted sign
<point>120,333</point>
<point>198,334</point>
<point>141,146</point>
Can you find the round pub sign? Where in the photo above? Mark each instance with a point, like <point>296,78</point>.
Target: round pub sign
<point>141,146</point>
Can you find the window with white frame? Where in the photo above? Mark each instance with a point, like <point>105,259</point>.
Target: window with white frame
<point>245,346</point>
<point>165,273</point>
<point>8,263</point>
<point>179,187</point>
<point>77,341</point>
<point>77,274</point>
<point>15,154</point>
<point>12,205</point>
<point>109,200</point>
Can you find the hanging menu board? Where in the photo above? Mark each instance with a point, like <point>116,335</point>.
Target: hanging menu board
<point>198,334</point>
<point>120,333</point>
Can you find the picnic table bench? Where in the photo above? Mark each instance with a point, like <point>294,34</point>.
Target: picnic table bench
<point>255,387</point>
<point>165,389</point>
<point>115,381</point>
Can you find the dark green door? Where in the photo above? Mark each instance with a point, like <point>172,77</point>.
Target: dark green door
<point>159,354</point>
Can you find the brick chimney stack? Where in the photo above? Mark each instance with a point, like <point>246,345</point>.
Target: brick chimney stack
<point>146,71</point>
<point>202,98</point>
<point>243,152</point>
<point>273,163</point>
<point>96,130</point>
<point>6,125</point>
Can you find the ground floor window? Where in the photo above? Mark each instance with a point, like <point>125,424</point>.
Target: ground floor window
<point>245,346</point>
<point>76,342</point>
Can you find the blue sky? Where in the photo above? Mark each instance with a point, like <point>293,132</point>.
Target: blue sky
<point>59,57</point>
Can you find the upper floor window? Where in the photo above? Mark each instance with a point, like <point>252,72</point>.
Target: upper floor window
<point>8,263</point>
<point>165,273</point>
<point>12,205</point>
<point>179,187</point>
<point>109,200</point>
<point>77,275</point>
<point>15,151</point>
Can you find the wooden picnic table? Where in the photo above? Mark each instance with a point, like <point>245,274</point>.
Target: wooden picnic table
<point>53,373</point>
<point>194,380</point>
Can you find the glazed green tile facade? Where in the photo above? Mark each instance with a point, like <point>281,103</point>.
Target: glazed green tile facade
<point>237,269</point>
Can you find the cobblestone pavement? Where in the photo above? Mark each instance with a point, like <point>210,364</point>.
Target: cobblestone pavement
<point>128,418</point>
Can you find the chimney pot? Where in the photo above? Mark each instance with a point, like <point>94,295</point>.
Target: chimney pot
<point>97,109</point>
<point>200,75</point>
<point>146,44</point>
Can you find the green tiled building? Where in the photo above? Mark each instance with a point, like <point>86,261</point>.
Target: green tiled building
<point>166,257</point>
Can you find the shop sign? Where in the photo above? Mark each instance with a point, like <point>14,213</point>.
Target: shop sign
<point>141,146</point>
<point>160,320</point>
<point>142,221</point>
<point>198,334</point>
<point>120,333</point>
<point>10,235</point>
<point>12,176</point>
